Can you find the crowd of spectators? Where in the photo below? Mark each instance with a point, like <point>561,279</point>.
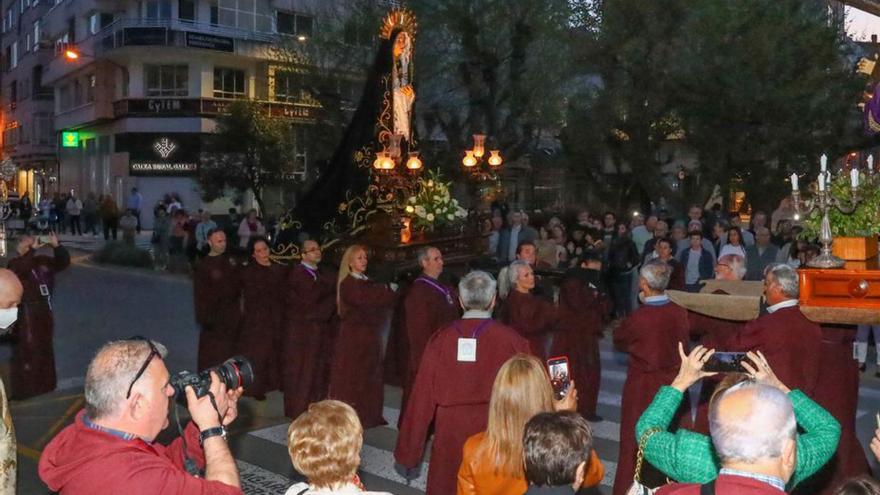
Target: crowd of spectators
<point>692,244</point>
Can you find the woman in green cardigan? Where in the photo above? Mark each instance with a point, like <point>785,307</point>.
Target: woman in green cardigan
<point>689,457</point>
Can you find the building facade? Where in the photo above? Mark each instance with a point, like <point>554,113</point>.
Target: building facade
<point>27,100</point>
<point>101,96</point>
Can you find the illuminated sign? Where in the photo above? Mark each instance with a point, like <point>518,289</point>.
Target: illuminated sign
<point>161,162</point>
<point>69,139</point>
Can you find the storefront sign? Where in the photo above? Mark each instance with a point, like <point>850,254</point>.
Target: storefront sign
<point>161,154</point>
<point>145,36</point>
<point>207,106</point>
<point>210,42</point>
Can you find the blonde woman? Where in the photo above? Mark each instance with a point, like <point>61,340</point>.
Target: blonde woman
<point>364,310</point>
<point>492,462</point>
<point>324,444</point>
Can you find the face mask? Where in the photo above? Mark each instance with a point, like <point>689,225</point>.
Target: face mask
<point>8,317</point>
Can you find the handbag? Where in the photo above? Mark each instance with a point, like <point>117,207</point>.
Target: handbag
<point>637,487</point>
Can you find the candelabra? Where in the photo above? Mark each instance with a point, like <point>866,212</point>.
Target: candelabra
<point>823,201</point>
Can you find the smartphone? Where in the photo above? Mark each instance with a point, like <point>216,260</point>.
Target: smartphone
<point>560,378</point>
<point>42,239</point>
<point>726,362</point>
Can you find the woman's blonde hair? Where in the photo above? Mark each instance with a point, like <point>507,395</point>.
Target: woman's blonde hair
<point>345,270</point>
<point>325,443</point>
<point>521,390</point>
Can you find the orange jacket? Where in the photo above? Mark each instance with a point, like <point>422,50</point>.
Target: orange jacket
<point>477,474</point>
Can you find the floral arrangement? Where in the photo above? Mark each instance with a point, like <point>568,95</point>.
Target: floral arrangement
<point>433,206</point>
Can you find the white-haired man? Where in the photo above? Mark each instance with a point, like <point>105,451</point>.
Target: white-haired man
<point>454,383</point>
<point>730,267</point>
<point>428,306</point>
<point>787,338</point>
<point>754,432</point>
<point>651,336</point>
<point>110,448</point>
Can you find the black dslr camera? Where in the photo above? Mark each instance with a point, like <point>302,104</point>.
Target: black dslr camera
<point>234,372</point>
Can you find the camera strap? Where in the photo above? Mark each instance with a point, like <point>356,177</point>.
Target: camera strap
<point>188,464</point>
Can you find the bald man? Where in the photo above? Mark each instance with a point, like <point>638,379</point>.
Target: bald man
<point>10,295</point>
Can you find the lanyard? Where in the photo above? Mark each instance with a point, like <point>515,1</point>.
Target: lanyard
<point>438,287</point>
<point>477,331</point>
<point>311,272</point>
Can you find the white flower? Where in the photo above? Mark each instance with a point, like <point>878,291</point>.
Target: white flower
<point>412,199</point>
<point>461,212</point>
<point>420,211</point>
<point>430,183</point>
<point>450,216</point>
<point>410,209</point>
<point>430,217</point>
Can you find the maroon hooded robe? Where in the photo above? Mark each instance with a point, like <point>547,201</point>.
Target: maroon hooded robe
<point>454,396</point>
<point>356,369</point>
<point>217,301</point>
<point>532,316</point>
<point>32,370</point>
<point>650,335</point>
<point>837,390</point>
<point>311,304</point>
<point>427,307</point>
<point>581,308</point>
<point>790,342</point>
<point>263,294</point>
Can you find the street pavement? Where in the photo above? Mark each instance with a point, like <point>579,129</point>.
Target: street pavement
<point>96,303</point>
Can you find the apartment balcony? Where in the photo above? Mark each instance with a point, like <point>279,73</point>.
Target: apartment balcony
<point>129,38</point>
<point>83,115</point>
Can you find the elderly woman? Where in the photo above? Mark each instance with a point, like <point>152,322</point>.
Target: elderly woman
<point>530,315</point>
<point>689,457</point>
<point>324,444</point>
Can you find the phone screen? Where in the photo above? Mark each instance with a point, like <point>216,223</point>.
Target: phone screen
<point>560,378</point>
<point>726,362</point>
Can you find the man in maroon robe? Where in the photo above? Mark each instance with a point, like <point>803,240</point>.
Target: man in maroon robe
<point>217,298</point>
<point>651,336</point>
<point>428,306</point>
<point>790,342</point>
<point>311,305</point>
<point>530,315</point>
<point>32,371</point>
<point>837,390</point>
<point>582,307</point>
<point>454,384</point>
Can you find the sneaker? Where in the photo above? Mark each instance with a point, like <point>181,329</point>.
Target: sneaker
<point>877,373</point>
<point>862,367</point>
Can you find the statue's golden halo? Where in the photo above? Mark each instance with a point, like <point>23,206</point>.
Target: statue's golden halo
<point>399,19</point>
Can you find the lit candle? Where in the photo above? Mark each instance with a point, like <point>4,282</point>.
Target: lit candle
<point>870,163</point>
<point>854,177</point>
<point>823,163</point>
<point>821,182</point>
<point>794,184</point>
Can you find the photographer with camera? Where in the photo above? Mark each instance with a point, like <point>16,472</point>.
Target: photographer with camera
<point>111,447</point>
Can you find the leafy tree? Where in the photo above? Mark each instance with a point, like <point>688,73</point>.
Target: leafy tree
<point>763,88</point>
<point>628,113</point>
<point>492,67</point>
<point>249,151</point>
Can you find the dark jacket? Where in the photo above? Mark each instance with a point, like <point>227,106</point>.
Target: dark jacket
<point>525,234</point>
<point>707,267</point>
<point>756,263</point>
